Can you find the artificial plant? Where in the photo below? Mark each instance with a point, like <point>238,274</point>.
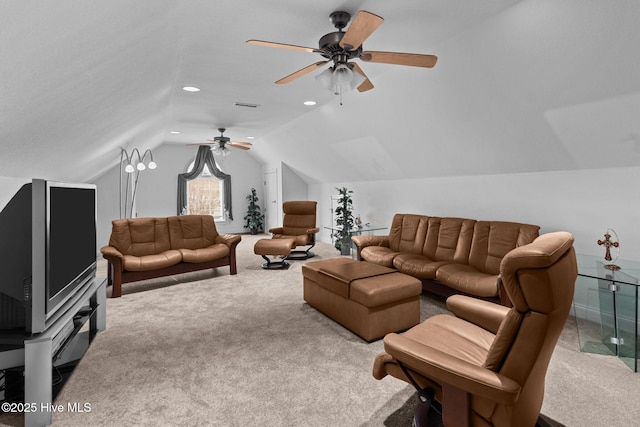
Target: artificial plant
<point>344,221</point>
<point>254,219</point>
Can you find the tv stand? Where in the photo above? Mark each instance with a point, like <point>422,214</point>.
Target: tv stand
<point>38,356</point>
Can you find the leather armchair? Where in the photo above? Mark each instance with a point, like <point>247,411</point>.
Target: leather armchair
<point>486,364</point>
<point>298,222</point>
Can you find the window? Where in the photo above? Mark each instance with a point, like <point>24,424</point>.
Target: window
<point>211,193</point>
<point>205,195</point>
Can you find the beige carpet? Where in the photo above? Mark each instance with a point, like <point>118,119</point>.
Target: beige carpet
<point>213,349</point>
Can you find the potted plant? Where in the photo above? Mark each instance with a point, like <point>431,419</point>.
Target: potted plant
<point>344,221</point>
<point>254,219</point>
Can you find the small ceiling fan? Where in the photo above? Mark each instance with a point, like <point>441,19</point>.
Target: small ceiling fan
<point>221,144</point>
<point>340,47</point>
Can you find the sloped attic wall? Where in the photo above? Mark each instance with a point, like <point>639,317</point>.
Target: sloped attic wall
<point>542,86</point>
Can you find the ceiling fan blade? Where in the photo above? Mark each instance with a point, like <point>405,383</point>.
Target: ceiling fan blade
<point>365,85</point>
<point>281,45</point>
<point>242,147</point>
<point>413,59</point>
<point>291,77</point>
<point>240,143</point>
<point>363,25</point>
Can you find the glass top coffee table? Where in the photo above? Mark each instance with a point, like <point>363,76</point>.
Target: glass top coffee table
<point>356,231</point>
<point>606,307</point>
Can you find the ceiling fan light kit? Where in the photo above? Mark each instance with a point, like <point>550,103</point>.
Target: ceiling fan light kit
<point>221,144</point>
<point>340,47</point>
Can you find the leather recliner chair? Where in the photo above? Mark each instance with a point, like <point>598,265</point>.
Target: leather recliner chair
<point>486,365</point>
<point>298,222</point>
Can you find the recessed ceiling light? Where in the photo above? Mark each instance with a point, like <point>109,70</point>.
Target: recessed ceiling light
<point>191,89</point>
<point>175,132</point>
<point>309,102</point>
<point>251,137</point>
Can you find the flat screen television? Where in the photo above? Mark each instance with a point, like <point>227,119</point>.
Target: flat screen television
<point>48,246</point>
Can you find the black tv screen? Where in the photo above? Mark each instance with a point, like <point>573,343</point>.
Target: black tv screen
<point>71,241</point>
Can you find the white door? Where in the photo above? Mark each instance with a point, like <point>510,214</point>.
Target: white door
<point>272,219</point>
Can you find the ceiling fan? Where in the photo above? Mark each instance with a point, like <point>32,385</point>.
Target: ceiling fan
<point>339,47</point>
<point>221,144</point>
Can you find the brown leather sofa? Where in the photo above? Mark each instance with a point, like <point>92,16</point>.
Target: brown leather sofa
<point>486,364</point>
<point>449,255</point>
<point>144,248</point>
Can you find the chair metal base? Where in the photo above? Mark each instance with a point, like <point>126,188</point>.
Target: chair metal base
<point>300,255</point>
<point>275,265</point>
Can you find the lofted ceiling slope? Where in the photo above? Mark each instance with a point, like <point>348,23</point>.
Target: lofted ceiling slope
<point>520,86</point>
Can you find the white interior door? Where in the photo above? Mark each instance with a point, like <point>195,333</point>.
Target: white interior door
<point>272,219</point>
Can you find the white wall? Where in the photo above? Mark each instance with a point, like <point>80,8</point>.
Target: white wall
<point>584,202</point>
<point>9,186</point>
<point>293,187</point>
<point>108,204</point>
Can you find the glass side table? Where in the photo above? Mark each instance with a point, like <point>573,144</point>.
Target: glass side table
<point>606,308</point>
<point>357,231</point>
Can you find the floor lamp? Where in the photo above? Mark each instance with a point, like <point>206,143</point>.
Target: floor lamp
<point>131,164</point>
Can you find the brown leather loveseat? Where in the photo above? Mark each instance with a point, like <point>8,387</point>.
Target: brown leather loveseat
<point>144,248</point>
<point>449,255</point>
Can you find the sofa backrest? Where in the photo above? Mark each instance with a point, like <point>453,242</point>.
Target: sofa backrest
<point>299,216</point>
<point>408,232</point>
<point>449,239</point>
<point>140,236</point>
<point>492,240</point>
<point>192,231</point>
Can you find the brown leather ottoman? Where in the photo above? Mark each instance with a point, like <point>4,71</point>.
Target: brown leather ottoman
<point>366,298</point>
<point>274,247</point>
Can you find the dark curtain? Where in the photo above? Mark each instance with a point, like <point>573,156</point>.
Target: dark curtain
<point>204,157</point>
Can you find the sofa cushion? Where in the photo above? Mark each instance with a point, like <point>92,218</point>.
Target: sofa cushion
<point>140,236</point>
<point>492,240</point>
<point>448,239</point>
<point>191,231</point>
<point>211,253</point>
<point>151,262</point>
<point>379,255</point>
<point>467,279</point>
<point>417,265</point>
<point>408,232</point>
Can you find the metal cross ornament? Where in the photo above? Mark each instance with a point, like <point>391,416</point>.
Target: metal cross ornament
<point>608,244</point>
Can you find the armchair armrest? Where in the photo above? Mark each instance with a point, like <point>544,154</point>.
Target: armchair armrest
<point>230,240</point>
<point>364,241</point>
<point>313,230</point>
<point>485,314</point>
<point>276,230</point>
<point>444,368</point>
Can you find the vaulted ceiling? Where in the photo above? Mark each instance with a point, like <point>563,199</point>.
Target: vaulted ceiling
<point>520,86</point>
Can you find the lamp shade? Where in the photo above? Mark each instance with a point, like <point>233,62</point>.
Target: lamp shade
<point>342,75</point>
<point>324,78</point>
